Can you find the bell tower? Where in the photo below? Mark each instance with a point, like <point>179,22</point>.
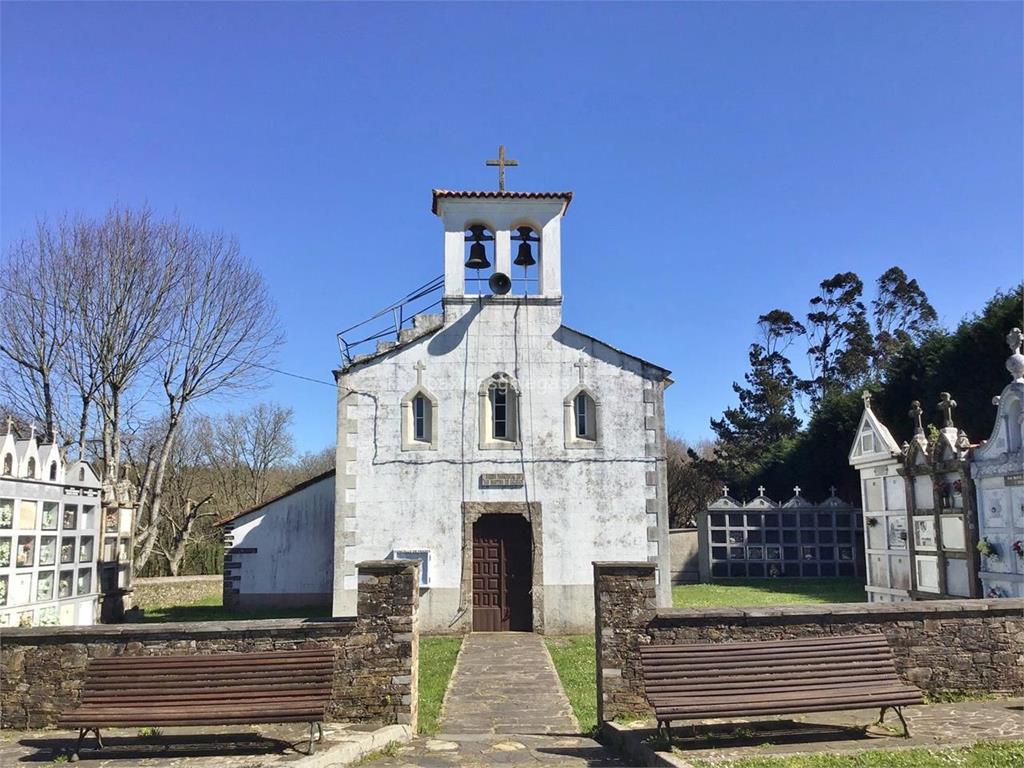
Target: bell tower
<point>480,230</point>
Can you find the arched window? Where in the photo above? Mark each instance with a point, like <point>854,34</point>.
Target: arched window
<point>499,412</point>
<point>9,464</point>
<point>479,253</point>
<point>525,269</point>
<point>419,420</point>
<point>53,470</point>
<point>581,418</point>
<point>31,468</point>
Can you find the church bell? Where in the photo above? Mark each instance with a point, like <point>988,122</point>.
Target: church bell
<point>477,257</point>
<point>524,256</point>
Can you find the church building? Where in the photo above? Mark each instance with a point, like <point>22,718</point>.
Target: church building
<point>502,449</point>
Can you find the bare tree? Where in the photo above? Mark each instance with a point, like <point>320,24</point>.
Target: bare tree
<point>691,482</point>
<point>247,452</point>
<point>188,491</point>
<point>222,333</point>
<point>127,276</point>
<point>36,322</point>
<point>313,463</point>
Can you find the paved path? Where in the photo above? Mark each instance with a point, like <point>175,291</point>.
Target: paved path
<point>505,706</point>
<point>504,682</point>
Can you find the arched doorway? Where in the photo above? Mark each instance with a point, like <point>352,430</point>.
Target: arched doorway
<point>502,574</point>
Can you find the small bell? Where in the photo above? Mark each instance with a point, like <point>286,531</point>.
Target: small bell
<point>524,256</point>
<point>477,257</point>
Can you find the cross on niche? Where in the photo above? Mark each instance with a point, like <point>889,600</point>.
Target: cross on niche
<point>725,491</point>
<point>582,365</point>
<point>501,164</point>
<point>946,405</point>
<point>760,490</point>
<point>796,490</point>
<point>420,367</point>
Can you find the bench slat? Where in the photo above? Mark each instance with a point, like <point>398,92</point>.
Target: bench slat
<point>757,686</point>
<point>810,641</point>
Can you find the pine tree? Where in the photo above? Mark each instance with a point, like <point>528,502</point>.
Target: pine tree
<point>751,433</point>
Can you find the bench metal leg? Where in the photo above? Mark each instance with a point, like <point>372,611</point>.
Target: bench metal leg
<point>82,733</point>
<point>311,747</point>
<point>899,714</point>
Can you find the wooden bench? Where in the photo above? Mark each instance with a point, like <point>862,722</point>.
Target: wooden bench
<point>217,689</point>
<point>724,680</point>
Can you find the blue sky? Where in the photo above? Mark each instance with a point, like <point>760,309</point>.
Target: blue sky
<point>725,157</point>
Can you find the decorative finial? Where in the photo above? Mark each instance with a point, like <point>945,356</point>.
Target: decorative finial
<point>760,490</point>
<point>725,491</point>
<point>946,405</point>
<point>32,431</point>
<point>10,424</point>
<point>866,397</point>
<point>915,413</point>
<point>1015,363</point>
<point>502,163</point>
<point>832,490</point>
<point>796,490</point>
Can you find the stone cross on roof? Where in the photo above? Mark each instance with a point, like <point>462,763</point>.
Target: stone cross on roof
<point>760,490</point>
<point>946,405</point>
<point>915,413</point>
<point>796,490</point>
<point>32,431</point>
<point>725,491</point>
<point>832,490</point>
<point>10,424</point>
<point>502,163</point>
<point>866,397</point>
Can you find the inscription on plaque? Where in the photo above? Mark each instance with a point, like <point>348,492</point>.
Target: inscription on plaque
<point>1014,480</point>
<point>502,480</point>
<point>879,471</point>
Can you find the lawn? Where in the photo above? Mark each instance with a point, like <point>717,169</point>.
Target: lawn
<point>986,754</point>
<point>750,592</point>
<point>437,660</point>
<point>575,661</point>
<point>212,609</point>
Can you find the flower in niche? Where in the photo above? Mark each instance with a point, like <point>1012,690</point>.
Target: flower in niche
<point>987,549</point>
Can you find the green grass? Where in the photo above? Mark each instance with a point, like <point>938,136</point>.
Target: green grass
<point>437,660</point>
<point>757,592</point>
<point>212,609</point>
<point>575,661</point>
<point>986,754</point>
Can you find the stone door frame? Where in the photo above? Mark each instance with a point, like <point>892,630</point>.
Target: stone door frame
<point>473,511</point>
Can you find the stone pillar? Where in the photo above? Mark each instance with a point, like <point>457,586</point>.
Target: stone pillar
<point>625,601</point>
<point>388,603</point>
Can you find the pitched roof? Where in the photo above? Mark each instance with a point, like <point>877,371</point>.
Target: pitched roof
<point>443,194</point>
<point>301,486</point>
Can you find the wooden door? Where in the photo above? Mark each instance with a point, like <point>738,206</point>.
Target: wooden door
<point>490,582</point>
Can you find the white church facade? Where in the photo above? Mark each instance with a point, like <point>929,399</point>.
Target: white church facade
<point>501,448</point>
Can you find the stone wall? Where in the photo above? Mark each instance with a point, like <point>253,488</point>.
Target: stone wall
<point>684,560</point>
<point>974,646</point>
<point>376,663</point>
<point>160,591</point>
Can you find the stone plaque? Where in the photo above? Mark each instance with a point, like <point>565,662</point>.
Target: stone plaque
<point>502,480</point>
<point>1013,480</point>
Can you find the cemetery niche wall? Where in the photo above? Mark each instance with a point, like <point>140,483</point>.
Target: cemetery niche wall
<point>944,517</point>
<point>762,538</point>
<point>997,469</point>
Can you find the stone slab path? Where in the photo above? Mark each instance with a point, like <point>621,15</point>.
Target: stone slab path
<point>505,706</point>
<point>504,682</point>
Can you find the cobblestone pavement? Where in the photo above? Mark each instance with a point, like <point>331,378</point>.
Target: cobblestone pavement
<point>843,732</point>
<point>505,706</point>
